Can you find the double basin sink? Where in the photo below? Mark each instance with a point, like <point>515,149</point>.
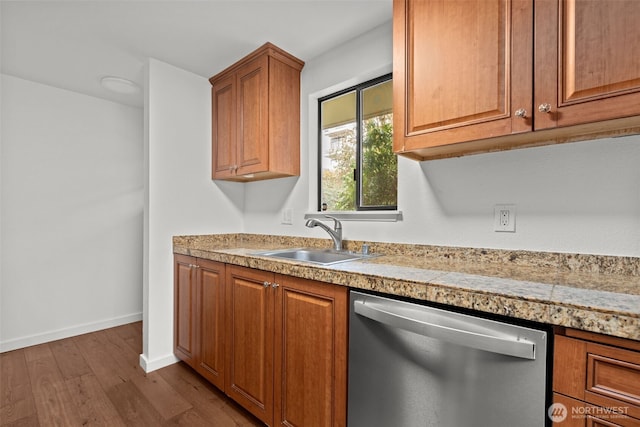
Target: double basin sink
<point>316,256</point>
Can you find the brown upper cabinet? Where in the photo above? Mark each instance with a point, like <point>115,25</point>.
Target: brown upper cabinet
<point>473,77</point>
<point>256,117</point>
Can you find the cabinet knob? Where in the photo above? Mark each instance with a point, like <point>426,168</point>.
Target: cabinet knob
<point>544,108</point>
<point>522,113</point>
<point>274,285</point>
<point>266,284</point>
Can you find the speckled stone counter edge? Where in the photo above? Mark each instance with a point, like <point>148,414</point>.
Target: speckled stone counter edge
<point>565,261</point>
<point>531,302</point>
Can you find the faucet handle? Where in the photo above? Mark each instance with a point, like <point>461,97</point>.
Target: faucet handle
<point>337,225</point>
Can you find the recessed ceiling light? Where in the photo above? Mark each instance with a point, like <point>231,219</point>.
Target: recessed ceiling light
<point>119,85</point>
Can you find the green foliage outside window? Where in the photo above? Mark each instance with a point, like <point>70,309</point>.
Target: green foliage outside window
<point>379,163</point>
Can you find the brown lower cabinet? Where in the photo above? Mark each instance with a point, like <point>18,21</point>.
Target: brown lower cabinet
<point>597,380</point>
<point>199,327</point>
<point>284,341</point>
<point>184,308</point>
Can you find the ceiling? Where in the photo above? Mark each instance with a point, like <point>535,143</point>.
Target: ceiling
<point>73,44</point>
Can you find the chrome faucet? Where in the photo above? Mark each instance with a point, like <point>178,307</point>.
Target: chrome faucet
<point>336,233</point>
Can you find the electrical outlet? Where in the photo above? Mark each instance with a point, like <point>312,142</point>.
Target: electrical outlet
<point>504,218</point>
<point>287,216</point>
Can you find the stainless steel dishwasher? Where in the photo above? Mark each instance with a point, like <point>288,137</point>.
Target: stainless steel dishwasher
<point>413,365</point>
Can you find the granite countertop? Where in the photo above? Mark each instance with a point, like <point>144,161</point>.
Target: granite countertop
<point>589,292</point>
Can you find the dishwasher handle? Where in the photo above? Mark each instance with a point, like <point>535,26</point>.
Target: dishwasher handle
<point>509,346</point>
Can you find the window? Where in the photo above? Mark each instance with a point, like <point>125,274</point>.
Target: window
<point>357,167</point>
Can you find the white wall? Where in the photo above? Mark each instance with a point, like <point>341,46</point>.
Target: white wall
<point>354,62</point>
<point>581,197</point>
<point>180,197</point>
<point>71,220</point>
<point>1,174</point>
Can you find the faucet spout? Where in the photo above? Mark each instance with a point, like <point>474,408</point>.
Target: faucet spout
<point>335,234</point>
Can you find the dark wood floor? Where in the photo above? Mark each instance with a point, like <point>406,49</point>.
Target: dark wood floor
<point>95,380</point>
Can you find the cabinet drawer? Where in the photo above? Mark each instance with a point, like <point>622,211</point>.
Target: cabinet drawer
<point>613,378</point>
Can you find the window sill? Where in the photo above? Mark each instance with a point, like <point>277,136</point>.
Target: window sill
<point>373,216</point>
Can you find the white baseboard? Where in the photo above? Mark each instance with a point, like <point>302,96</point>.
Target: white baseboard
<point>72,331</point>
<point>152,365</point>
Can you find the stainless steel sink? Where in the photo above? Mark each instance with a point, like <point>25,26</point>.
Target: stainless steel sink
<point>316,256</point>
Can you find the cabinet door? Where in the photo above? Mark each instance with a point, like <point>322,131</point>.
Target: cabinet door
<point>249,367</point>
<point>461,71</point>
<point>310,353</point>
<point>587,63</point>
<point>211,327</point>
<point>223,109</point>
<point>252,116</point>
<point>569,366</point>
<point>568,412</point>
<point>184,334</point>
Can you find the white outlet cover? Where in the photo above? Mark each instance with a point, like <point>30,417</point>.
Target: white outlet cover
<point>504,218</point>
<point>287,216</point>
